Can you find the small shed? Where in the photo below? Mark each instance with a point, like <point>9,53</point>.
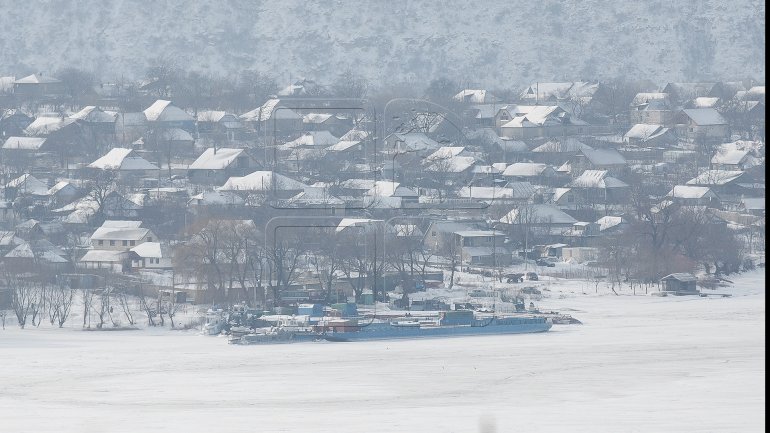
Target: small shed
<point>680,284</point>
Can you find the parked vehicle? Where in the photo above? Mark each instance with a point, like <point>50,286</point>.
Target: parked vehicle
<point>544,262</point>
<point>531,276</point>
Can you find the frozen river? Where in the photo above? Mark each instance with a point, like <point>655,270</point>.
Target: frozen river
<point>637,364</point>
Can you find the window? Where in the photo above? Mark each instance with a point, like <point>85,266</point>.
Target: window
<point>133,243</point>
<point>101,242</point>
<point>149,239</point>
<point>112,243</point>
<point>125,243</point>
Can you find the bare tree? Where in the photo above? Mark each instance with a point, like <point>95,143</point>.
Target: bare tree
<point>24,297</point>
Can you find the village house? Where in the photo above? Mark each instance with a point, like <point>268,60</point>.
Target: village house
<point>702,124</point>
<point>652,108</point>
<point>690,195</point>
<point>37,86</point>
<point>164,114</point>
<point>214,123</point>
<point>274,120</point>
<point>215,165</point>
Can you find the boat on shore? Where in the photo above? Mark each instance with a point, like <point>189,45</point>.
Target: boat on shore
<point>449,324</point>
<point>456,323</point>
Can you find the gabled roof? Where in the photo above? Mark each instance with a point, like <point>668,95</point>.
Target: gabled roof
<point>262,181</point>
<point>215,159</point>
<point>120,233</point>
<point>691,192</point>
<point>26,183</point>
<point>209,198</point>
<point>60,186</point>
<point>45,125</point>
<point>475,96</point>
<point>704,116</point>
<point>596,179</point>
<point>526,169</point>
<point>355,135</point>
<point>36,79</point>
<point>538,214</point>
<point>315,196</point>
<point>93,114</point>
<point>24,143</point>
<point>540,115</point>
<point>164,111</point>
<point>414,141</point>
<point>269,109</point>
<point>151,250</point>
<point>122,159</point>
<point>603,157</point>
<point>176,134</point>
<point>715,177</point>
<point>565,145</point>
<point>313,139</point>
<point>386,188</point>
<point>608,222</point>
<point>645,132</point>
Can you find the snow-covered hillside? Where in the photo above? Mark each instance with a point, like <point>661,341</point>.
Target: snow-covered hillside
<point>496,41</point>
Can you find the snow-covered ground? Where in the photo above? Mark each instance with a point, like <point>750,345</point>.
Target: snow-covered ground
<point>637,364</point>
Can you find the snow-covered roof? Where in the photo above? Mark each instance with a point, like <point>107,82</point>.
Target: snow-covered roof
<point>647,97</point>
<point>26,183</point>
<point>121,224</point>
<point>414,141</point>
<point>60,186</point>
<point>213,116</point>
<point>316,118</point>
<point>715,177</point>
<point>445,152</point>
<point>313,139</point>
<point>148,249</point>
<point>343,145</point>
<point>690,192</point>
<point>215,158</point>
<point>644,132</point>
<point>705,116</point>
<point>360,184</point>
<point>355,135</point>
<point>262,181</point>
<point>705,102</point>
<point>608,222</point>
<point>538,214</point>
<point>603,157</point>
<point>475,96</point>
<point>538,116</point>
<point>454,164</point>
<point>386,188</point>
<point>36,79</point>
<point>730,157</point>
<point>164,111</point>
<point>681,276</point>
<point>121,158</point>
<point>356,222</point>
<point>269,110</point>
<point>120,233</point>
<point>45,125</point>
<point>596,179</point>
<point>93,114</point>
<point>24,143</point>
<point>565,145</point>
<point>176,134</point>
<point>209,198</point>
<point>104,256</point>
<point>526,169</point>
<point>315,196</point>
